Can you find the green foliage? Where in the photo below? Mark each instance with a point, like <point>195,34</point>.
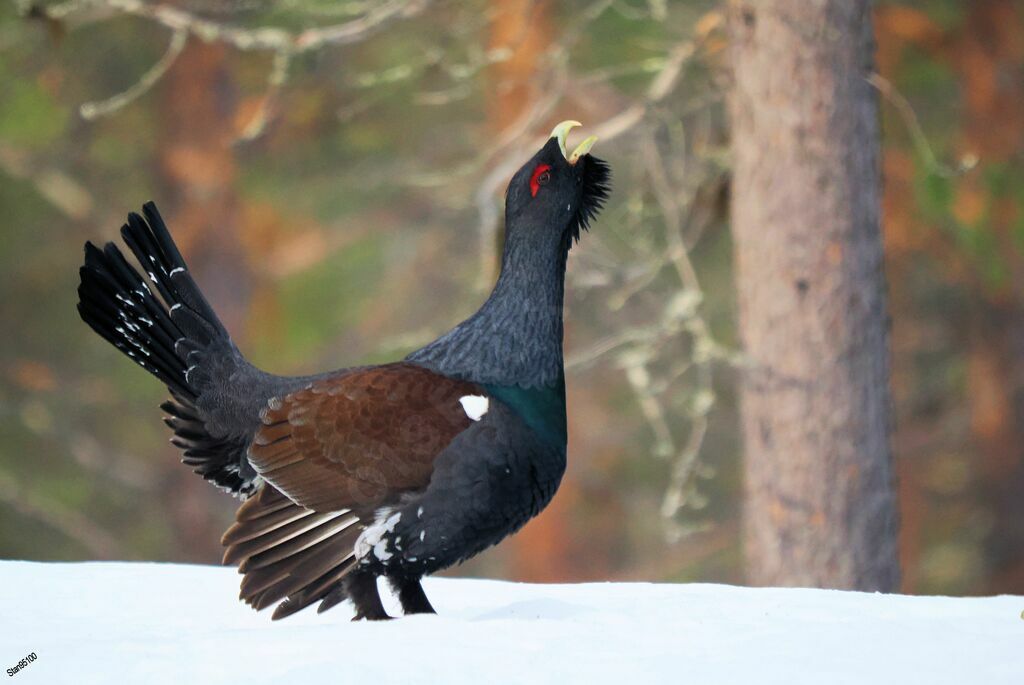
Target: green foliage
<point>28,114</point>
<point>935,196</point>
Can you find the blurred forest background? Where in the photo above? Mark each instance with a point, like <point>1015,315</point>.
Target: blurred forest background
<point>336,183</point>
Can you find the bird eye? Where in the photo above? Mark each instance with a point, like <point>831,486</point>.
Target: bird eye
<point>541,175</point>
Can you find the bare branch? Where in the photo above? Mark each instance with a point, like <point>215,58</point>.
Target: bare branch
<point>63,192</point>
<point>917,134</point>
<point>94,110</point>
<point>275,81</point>
<point>283,43</point>
<point>263,38</point>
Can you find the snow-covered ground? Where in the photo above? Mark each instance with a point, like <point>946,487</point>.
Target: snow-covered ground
<point>161,623</point>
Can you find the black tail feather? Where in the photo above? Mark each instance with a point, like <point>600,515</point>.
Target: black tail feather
<point>113,301</point>
<point>172,333</point>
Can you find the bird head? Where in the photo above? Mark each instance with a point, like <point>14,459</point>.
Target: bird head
<point>557,191</point>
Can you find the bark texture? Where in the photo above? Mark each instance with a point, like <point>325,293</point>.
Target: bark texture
<point>821,507</point>
<point>199,199</point>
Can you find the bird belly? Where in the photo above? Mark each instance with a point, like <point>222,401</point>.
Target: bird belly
<point>491,480</point>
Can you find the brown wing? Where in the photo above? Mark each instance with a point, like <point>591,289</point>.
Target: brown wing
<point>359,439</point>
<point>345,444</point>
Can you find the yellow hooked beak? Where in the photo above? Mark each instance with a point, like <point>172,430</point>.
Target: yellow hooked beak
<point>561,132</point>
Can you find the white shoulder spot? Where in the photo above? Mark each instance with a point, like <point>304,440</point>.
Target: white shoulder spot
<point>475,406</point>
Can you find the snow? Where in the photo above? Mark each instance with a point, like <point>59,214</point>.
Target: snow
<point>165,623</point>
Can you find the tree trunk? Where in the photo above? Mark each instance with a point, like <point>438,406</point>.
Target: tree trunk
<point>542,551</point>
<point>820,498</point>
<point>200,202</point>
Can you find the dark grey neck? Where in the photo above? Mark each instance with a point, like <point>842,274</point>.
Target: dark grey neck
<point>516,336</point>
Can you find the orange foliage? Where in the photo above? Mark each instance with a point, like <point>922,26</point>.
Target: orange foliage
<point>33,375</point>
<point>519,26</point>
<point>986,52</point>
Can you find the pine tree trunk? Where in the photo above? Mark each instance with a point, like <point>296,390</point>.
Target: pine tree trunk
<point>200,201</point>
<point>541,551</point>
<point>820,499</point>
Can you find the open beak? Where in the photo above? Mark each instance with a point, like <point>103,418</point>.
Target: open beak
<point>561,132</point>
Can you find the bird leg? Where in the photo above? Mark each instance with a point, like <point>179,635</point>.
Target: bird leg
<point>411,595</point>
<point>361,588</point>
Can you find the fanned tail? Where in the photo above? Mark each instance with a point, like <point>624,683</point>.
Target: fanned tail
<point>175,335</point>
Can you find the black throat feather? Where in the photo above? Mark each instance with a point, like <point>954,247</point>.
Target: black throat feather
<point>515,338</point>
<point>597,186</point>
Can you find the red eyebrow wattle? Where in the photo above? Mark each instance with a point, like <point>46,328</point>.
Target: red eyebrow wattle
<point>534,183</point>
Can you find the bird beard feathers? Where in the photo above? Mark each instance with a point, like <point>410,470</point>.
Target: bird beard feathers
<point>597,176</point>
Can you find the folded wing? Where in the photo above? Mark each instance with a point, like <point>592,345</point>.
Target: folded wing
<point>360,439</point>
<point>332,454</point>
